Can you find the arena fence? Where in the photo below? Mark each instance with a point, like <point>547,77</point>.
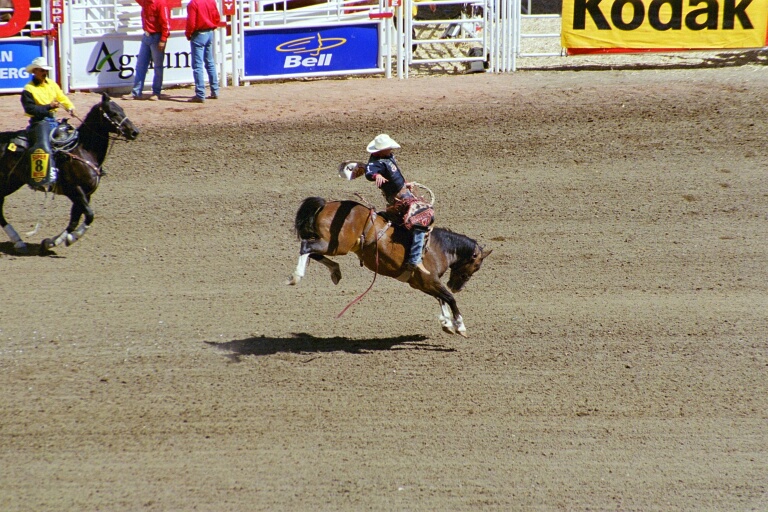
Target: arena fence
<point>93,44</point>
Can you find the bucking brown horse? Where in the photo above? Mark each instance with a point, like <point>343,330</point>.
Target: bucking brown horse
<point>336,228</point>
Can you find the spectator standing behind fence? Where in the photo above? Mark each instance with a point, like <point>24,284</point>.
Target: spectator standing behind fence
<point>202,18</point>
<point>154,21</point>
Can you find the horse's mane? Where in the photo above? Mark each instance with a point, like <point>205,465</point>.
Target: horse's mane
<point>94,136</point>
<point>451,242</point>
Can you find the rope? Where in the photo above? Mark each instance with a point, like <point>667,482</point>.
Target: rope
<point>42,212</point>
<point>375,272</point>
<point>431,194</point>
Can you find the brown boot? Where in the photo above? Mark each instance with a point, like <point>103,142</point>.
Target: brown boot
<point>410,267</point>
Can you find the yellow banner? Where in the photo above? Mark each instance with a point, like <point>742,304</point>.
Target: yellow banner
<point>664,24</point>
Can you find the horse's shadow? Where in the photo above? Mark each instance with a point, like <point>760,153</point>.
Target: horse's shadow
<point>33,250</point>
<point>304,343</point>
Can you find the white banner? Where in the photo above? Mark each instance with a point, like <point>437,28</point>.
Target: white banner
<point>110,61</point>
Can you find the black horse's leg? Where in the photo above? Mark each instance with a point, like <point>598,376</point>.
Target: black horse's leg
<point>18,243</point>
<point>74,230</point>
<point>84,203</point>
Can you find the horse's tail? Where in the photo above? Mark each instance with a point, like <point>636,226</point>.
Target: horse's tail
<point>304,225</point>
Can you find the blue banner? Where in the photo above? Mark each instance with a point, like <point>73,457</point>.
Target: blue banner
<point>14,57</point>
<point>311,50</point>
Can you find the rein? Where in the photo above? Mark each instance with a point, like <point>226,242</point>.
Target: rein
<point>86,162</point>
<point>109,136</point>
<point>371,214</point>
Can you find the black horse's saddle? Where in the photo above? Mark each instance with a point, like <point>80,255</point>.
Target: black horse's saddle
<point>14,141</point>
<point>63,138</point>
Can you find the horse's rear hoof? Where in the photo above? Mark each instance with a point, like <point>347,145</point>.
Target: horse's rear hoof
<point>21,248</point>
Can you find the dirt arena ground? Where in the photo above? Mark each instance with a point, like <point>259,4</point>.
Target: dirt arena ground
<point>617,352</point>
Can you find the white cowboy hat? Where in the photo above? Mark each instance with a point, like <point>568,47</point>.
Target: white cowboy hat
<point>39,62</point>
<point>382,142</point>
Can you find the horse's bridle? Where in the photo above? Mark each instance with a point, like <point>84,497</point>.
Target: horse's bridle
<point>118,126</point>
<point>119,136</point>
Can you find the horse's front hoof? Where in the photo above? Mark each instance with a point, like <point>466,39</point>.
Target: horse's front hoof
<point>336,276</point>
<point>447,324</point>
<point>45,247</point>
<point>448,329</point>
<point>21,248</point>
<point>293,281</point>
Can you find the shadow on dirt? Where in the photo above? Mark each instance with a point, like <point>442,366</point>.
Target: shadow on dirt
<point>34,250</point>
<point>307,344</point>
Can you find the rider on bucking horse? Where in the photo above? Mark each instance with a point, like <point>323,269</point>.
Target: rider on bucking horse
<point>382,168</point>
<point>41,98</point>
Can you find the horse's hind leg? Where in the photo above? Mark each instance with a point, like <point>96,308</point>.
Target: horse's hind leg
<point>301,267</point>
<point>331,265</point>
<point>18,243</point>
<point>314,249</point>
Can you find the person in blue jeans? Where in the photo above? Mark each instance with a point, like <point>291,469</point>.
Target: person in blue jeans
<point>154,21</point>
<point>382,168</point>
<point>202,18</point>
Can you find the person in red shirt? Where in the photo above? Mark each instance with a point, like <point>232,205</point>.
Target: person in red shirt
<point>154,21</point>
<point>202,18</point>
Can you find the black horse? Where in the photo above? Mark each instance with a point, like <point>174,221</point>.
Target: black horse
<point>79,170</point>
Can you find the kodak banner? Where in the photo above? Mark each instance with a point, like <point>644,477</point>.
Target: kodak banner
<point>591,26</point>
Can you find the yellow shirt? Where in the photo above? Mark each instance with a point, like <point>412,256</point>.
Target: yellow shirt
<point>46,92</point>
